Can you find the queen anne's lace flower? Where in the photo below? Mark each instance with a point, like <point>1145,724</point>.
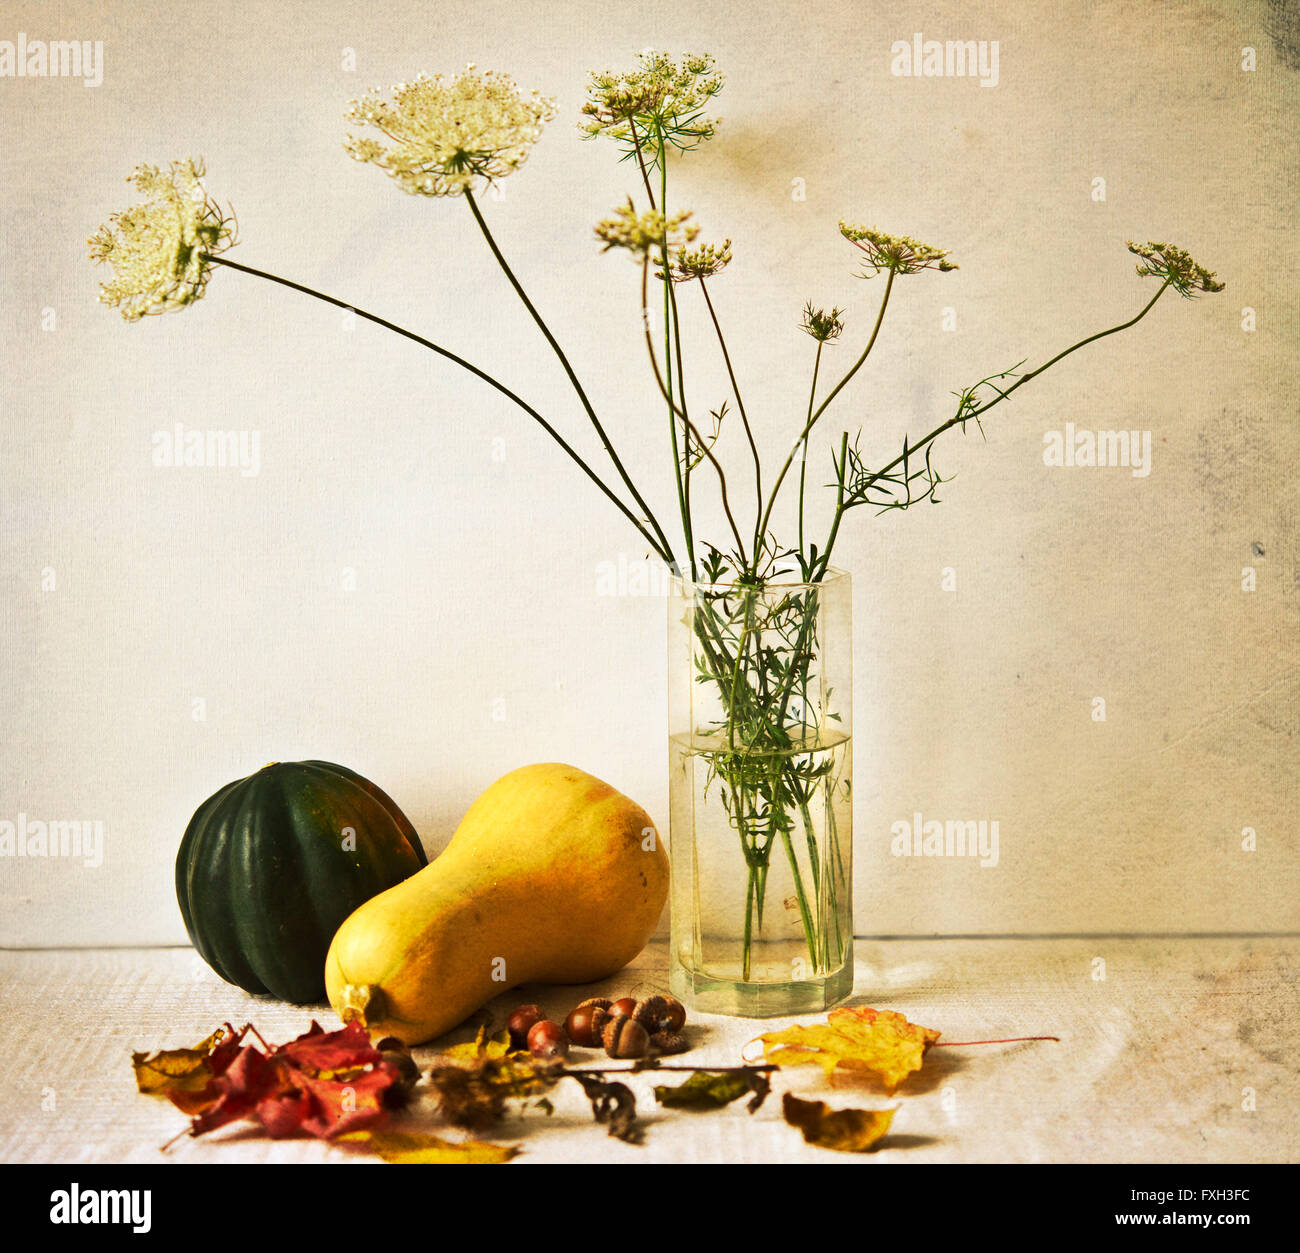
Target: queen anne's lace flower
<point>825,326</point>
<point>702,262</point>
<point>449,134</point>
<point>1168,261</point>
<point>899,253</point>
<point>660,98</point>
<point>642,233</point>
<point>161,249</point>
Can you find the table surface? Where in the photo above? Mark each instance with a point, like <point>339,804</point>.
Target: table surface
<point>1185,1051</point>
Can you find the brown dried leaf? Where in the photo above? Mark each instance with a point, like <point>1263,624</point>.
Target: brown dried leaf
<point>612,1103</point>
<point>845,1130</point>
<point>474,1095</point>
<point>185,1076</point>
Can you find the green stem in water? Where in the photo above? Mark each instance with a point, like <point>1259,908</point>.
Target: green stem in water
<point>750,886</point>
<point>810,935</point>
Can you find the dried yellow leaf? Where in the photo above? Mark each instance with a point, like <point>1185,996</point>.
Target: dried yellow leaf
<point>854,1042</point>
<point>482,1046</point>
<point>176,1070</point>
<point>411,1148</point>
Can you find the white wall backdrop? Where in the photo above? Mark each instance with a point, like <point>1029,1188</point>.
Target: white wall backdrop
<point>411,584</point>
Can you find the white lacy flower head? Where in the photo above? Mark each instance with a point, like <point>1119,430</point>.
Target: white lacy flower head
<point>446,135</point>
<point>660,99</point>
<point>1175,266</point>
<point>161,249</point>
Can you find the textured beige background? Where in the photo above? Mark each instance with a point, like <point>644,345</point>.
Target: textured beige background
<point>475,639</point>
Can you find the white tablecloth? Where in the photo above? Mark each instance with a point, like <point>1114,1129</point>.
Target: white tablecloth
<point>1185,1052</point>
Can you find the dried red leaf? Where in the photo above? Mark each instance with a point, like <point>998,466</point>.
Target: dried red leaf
<point>248,1080</point>
<point>317,1049</point>
<point>324,1084</point>
<point>336,1107</point>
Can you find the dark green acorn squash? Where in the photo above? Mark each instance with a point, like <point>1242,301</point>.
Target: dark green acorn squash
<point>271,865</point>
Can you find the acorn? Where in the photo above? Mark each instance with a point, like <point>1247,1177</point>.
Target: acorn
<point>547,1041</point>
<point>521,1022</point>
<point>585,1025</point>
<point>395,1051</point>
<point>625,1038</point>
<point>669,1042</point>
<point>660,1013</point>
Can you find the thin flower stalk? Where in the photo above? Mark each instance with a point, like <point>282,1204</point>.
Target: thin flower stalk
<point>835,391</point>
<point>803,443</point>
<point>468,366</point>
<point>740,405</point>
<point>965,413</point>
<point>665,384</point>
<point>690,430</point>
<point>672,339</point>
<point>662,544</point>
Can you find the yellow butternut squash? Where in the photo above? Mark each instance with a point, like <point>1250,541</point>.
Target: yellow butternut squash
<point>551,877</point>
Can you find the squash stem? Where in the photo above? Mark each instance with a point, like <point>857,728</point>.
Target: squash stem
<point>361,1002</point>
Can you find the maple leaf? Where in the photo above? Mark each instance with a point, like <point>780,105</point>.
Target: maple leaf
<point>322,1051</point>
<point>185,1076</point>
<point>845,1130</point>
<point>237,1091</point>
<point>324,1083</point>
<point>326,1107</point>
<point>854,1042</point>
<point>412,1148</point>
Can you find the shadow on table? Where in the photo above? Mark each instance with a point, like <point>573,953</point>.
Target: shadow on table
<point>892,1141</point>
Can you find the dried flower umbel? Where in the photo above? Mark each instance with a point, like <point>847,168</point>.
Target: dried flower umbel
<point>641,233</point>
<point>899,254</point>
<point>162,248</point>
<point>706,261</point>
<point>447,136</point>
<point>824,326</point>
<point>659,104</point>
<point>1176,267</point>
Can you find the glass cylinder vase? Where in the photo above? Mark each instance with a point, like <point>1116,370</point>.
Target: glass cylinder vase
<point>760,683</point>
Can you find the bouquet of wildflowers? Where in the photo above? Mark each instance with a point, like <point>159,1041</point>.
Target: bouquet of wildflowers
<point>455,137</point>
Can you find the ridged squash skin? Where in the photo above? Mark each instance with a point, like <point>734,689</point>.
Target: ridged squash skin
<point>265,872</point>
<point>551,877</point>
